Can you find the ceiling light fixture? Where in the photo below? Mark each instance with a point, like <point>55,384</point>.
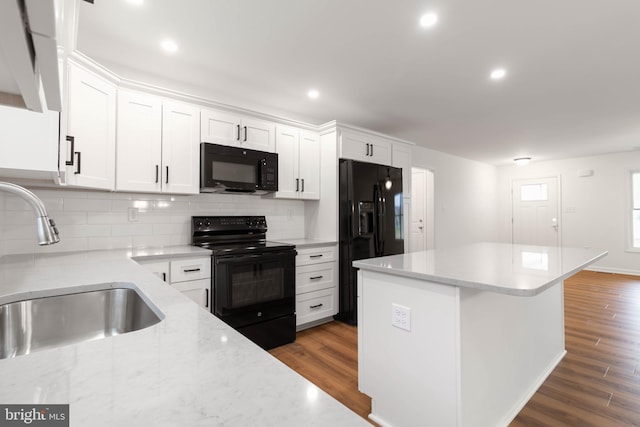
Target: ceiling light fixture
<point>498,74</point>
<point>313,94</point>
<point>521,161</point>
<point>428,20</point>
<point>169,46</point>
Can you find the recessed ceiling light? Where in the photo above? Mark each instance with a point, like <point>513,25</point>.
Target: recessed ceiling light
<point>313,94</point>
<point>521,161</point>
<point>136,2</point>
<point>428,20</point>
<point>169,46</point>
<point>498,74</point>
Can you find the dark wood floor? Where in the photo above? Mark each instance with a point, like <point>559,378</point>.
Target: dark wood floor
<point>596,384</point>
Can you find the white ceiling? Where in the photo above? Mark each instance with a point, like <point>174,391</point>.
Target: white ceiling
<point>573,68</point>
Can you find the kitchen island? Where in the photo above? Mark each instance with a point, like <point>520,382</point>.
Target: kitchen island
<point>190,369</point>
<point>461,336</point>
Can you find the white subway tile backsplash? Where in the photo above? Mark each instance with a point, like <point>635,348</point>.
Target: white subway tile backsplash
<point>85,230</point>
<point>92,220</point>
<point>87,205</point>
<point>132,229</point>
<point>100,243</point>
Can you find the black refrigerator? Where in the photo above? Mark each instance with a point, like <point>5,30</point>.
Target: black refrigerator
<point>371,223</point>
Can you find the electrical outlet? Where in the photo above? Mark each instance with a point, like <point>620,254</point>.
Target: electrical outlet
<point>401,317</point>
<point>133,214</point>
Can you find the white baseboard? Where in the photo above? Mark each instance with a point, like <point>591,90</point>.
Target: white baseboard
<point>614,270</point>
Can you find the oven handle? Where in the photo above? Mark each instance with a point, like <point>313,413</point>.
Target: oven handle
<point>244,257</point>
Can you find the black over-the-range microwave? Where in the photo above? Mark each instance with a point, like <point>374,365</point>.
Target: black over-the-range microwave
<point>225,169</point>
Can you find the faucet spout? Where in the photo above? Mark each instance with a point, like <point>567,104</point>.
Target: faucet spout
<point>46,231</point>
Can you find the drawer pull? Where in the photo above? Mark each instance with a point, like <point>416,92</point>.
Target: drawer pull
<point>315,277</point>
<point>316,306</point>
<point>190,270</point>
<point>315,256</point>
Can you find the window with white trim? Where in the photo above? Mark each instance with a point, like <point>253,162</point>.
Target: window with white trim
<point>635,210</point>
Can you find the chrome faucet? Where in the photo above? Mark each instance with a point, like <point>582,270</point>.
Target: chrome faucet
<point>46,230</point>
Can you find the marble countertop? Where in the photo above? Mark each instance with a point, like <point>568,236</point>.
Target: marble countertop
<point>191,369</point>
<point>497,267</point>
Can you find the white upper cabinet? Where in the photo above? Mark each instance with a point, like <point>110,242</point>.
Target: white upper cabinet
<point>224,128</point>
<point>365,148</point>
<point>90,155</point>
<point>180,148</point>
<point>157,144</point>
<point>298,164</point>
<point>401,157</point>
<point>139,142</point>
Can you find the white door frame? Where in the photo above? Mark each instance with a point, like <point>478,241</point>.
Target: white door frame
<point>427,200</point>
<point>558,201</point>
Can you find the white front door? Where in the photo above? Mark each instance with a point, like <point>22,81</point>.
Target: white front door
<point>535,214</point>
<point>422,227</point>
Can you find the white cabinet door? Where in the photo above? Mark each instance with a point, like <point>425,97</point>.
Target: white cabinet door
<point>180,148</point>
<point>139,139</point>
<point>258,135</point>
<point>298,164</point>
<point>91,125</point>
<point>219,127</point>
<point>309,166</point>
<point>364,148</point>
<point>287,149</point>
<point>402,159</point>
<point>159,268</point>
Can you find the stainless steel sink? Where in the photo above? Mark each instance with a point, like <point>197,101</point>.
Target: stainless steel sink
<point>41,323</point>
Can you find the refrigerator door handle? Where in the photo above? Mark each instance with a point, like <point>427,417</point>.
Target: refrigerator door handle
<point>378,238</point>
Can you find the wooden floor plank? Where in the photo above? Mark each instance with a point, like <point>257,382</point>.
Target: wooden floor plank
<point>597,384</point>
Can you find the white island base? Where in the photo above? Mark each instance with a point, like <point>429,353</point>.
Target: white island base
<point>474,353</point>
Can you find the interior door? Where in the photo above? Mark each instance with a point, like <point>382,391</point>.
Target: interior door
<point>535,219</point>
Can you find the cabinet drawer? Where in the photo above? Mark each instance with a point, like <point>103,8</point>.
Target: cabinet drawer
<point>190,269</point>
<point>314,306</point>
<point>315,255</point>
<point>315,277</point>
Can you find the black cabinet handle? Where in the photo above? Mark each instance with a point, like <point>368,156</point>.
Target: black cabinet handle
<point>206,296</point>
<point>77,172</point>
<point>72,140</point>
<point>245,134</point>
<point>297,184</point>
<point>166,181</point>
<point>238,138</point>
<point>164,276</point>
<point>315,256</point>
<point>315,277</point>
<point>316,306</point>
<point>371,150</point>
<point>367,149</point>
<point>157,173</point>
<point>303,185</point>
<point>191,270</point>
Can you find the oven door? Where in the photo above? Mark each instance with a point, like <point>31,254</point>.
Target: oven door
<point>254,288</point>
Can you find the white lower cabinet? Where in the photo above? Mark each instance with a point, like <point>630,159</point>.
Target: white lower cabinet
<point>316,285</point>
<point>191,276</point>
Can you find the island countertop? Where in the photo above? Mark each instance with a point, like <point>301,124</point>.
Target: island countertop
<point>190,369</point>
<point>522,270</point>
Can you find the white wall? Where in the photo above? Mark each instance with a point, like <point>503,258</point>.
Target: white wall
<point>595,209</point>
<point>99,220</point>
<point>465,197</point>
